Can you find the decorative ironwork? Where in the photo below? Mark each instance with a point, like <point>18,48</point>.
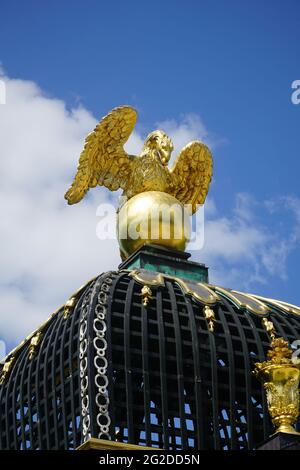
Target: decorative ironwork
<point>40,404</point>
<point>84,377</point>
<point>100,359</point>
<point>199,290</point>
<point>174,385</point>
<point>144,375</point>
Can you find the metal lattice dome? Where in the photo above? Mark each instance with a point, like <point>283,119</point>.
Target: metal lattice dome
<point>145,367</point>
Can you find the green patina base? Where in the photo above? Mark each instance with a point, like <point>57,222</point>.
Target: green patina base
<point>159,259</point>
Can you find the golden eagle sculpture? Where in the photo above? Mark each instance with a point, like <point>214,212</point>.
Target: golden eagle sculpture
<point>104,162</point>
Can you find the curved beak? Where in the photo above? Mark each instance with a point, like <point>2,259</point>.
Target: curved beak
<point>164,156</point>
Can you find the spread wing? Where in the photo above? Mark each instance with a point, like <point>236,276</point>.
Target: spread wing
<point>103,160</point>
<point>191,174</point>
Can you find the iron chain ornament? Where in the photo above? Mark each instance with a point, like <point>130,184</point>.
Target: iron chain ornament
<point>100,363</point>
<point>100,359</point>
<point>84,381</point>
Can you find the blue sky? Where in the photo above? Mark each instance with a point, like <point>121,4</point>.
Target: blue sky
<point>226,65</point>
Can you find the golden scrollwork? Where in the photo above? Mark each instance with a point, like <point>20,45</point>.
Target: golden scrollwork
<point>199,290</point>
<point>242,300</point>
<point>144,276</point>
<point>287,307</point>
<point>280,377</point>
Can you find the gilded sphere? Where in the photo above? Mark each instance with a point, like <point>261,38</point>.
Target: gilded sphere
<point>152,217</point>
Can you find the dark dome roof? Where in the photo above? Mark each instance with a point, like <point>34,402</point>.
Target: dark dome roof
<point>143,367</point>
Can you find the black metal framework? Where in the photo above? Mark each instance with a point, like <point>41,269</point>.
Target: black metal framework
<point>169,382</point>
<point>40,400</point>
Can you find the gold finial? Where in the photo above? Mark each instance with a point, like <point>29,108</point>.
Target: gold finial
<point>6,369</point>
<point>34,342</point>
<point>69,306</point>
<point>269,327</point>
<point>146,294</point>
<point>209,315</point>
<point>280,377</point>
<point>149,187</point>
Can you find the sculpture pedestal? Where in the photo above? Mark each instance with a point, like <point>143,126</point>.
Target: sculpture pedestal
<point>164,260</point>
<point>281,441</point>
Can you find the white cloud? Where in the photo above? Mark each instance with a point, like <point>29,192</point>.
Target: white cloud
<point>3,351</point>
<point>48,249</point>
<point>243,249</point>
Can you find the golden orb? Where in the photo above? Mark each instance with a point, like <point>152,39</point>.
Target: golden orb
<point>152,217</point>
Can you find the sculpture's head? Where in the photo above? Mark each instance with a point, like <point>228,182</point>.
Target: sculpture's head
<point>161,143</point>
